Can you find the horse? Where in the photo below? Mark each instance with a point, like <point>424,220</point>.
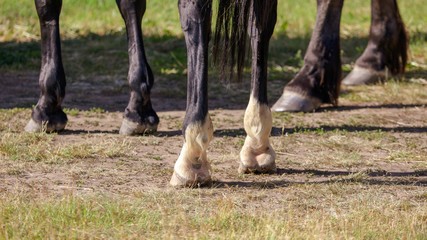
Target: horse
<point>317,82</point>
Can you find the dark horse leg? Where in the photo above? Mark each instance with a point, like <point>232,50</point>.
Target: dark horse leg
<point>319,79</point>
<point>386,53</point>
<point>192,167</point>
<point>139,116</point>
<point>257,155</point>
<point>48,114</point>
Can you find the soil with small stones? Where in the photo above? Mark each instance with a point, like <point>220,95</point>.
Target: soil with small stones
<point>148,165</point>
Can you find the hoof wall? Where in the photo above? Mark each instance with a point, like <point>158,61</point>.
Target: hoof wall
<point>361,76</point>
<point>268,169</point>
<point>131,128</point>
<point>179,181</point>
<point>32,126</point>
<point>294,102</point>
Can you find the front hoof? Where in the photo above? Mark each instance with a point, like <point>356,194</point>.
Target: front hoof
<point>267,169</point>
<point>33,126</point>
<point>197,181</point>
<point>294,102</point>
<point>257,159</point>
<point>132,128</point>
<point>361,76</point>
<point>191,170</point>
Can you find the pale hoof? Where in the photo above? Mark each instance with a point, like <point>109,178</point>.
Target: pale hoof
<point>361,76</point>
<point>191,171</point>
<point>180,181</point>
<point>32,126</point>
<point>294,102</point>
<point>269,168</point>
<point>132,128</point>
<point>257,159</point>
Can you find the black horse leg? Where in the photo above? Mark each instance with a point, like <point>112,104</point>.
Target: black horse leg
<point>192,167</point>
<point>139,116</point>
<point>257,155</point>
<point>319,79</point>
<point>386,53</point>
<point>48,114</point>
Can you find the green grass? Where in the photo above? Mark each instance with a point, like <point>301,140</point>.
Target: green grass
<point>40,147</point>
<point>95,47</point>
<point>19,18</point>
<point>288,206</point>
<point>324,211</point>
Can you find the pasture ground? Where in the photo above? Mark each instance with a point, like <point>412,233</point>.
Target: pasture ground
<point>357,171</point>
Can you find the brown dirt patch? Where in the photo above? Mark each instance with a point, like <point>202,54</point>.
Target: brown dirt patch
<point>370,144</point>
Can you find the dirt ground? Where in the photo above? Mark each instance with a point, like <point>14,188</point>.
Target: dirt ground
<point>371,143</point>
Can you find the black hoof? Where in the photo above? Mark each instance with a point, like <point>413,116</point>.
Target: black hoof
<point>294,102</point>
<point>56,123</point>
<point>132,128</point>
<point>32,126</point>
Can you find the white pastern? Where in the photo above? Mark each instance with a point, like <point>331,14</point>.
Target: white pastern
<point>257,155</point>
<point>192,166</point>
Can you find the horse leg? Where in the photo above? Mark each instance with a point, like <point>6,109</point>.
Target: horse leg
<point>192,167</point>
<point>386,53</point>
<point>139,116</point>
<point>257,155</point>
<point>48,114</point>
<point>319,79</point>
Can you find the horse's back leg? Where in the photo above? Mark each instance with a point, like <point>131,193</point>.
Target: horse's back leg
<point>386,53</point>
<point>320,77</point>
<point>139,116</point>
<point>47,114</point>
<point>257,154</point>
<point>192,167</point>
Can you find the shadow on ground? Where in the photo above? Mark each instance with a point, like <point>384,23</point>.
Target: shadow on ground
<point>96,68</point>
<point>285,183</point>
<point>369,177</point>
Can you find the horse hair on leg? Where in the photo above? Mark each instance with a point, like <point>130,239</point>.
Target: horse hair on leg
<point>257,154</point>
<point>139,116</point>
<point>192,167</point>
<point>387,51</point>
<point>319,79</point>
<point>47,114</point>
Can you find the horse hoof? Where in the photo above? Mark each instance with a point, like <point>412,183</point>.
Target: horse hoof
<point>33,126</point>
<point>129,128</point>
<point>294,102</point>
<point>267,169</point>
<point>256,157</point>
<point>191,170</point>
<point>180,181</point>
<point>361,76</point>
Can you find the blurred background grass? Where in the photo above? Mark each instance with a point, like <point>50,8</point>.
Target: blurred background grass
<point>95,48</point>
<point>19,22</point>
<point>79,17</point>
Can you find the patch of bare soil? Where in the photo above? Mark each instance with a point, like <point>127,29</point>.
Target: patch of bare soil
<point>373,145</point>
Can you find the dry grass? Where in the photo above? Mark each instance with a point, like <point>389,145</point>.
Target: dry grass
<point>353,172</point>
<point>352,182</point>
<point>313,211</point>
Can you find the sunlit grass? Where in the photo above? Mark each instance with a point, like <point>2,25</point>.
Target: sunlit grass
<point>357,206</point>
<point>325,211</point>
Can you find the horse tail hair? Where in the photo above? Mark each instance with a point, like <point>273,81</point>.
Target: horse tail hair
<point>397,51</point>
<point>230,36</point>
